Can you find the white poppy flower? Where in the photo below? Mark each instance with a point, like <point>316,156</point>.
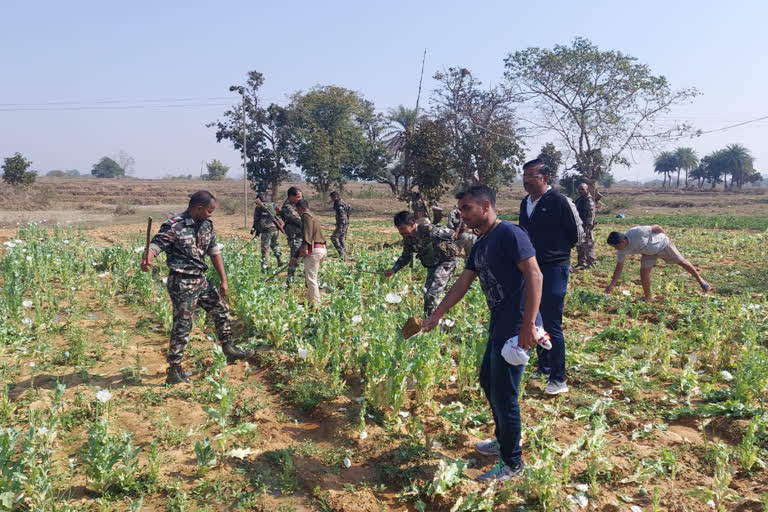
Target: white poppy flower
<point>9,244</point>
<point>437,444</point>
<point>452,378</point>
<point>347,463</point>
<point>303,353</point>
<point>359,399</point>
<point>581,487</point>
<point>647,427</point>
<point>32,364</point>
<point>726,375</point>
<point>626,292</point>
<point>138,250</point>
<point>394,258</point>
<point>218,246</point>
<point>449,322</point>
<point>363,435</point>
<point>26,321</point>
<point>357,319</point>
<point>393,298</point>
<point>27,303</point>
<point>29,258</point>
<point>103,396</point>
<point>65,242</point>
<point>42,431</point>
<point>404,414</point>
<point>165,280</point>
<point>103,275</point>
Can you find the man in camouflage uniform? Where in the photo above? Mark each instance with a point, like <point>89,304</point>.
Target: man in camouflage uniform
<point>339,236</point>
<point>464,239</point>
<point>586,208</point>
<point>293,228</point>
<point>264,225</point>
<point>436,249</point>
<point>186,239</point>
<point>419,209</point>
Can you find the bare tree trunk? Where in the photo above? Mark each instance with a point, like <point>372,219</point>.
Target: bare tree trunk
<point>678,179</point>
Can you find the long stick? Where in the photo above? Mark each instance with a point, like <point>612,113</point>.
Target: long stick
<point>275,274</point>
<point>149,234</point>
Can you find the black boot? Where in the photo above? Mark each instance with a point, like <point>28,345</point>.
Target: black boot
<point>233,352</point>
<point>176,375</point>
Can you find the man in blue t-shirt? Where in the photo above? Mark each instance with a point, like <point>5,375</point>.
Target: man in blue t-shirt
<point>505,261</point>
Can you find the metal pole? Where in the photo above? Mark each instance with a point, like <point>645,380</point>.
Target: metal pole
<point>245,169</point>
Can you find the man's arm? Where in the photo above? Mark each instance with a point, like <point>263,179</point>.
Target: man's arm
<point>533,285</point>
<point>454,295</point>
<point>218,264</point>
<point>404,259</point>
<point>160,242</point>
<point>616,275</point>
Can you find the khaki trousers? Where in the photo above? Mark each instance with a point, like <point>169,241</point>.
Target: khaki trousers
<point>311,268</point>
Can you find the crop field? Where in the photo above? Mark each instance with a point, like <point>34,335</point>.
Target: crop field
<point>337,412</point>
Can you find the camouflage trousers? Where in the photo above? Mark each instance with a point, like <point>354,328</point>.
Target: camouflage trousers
<point>269,239</point>
<point>187,292</point>
<point>293,247</point>
<point>339,239</point>
<point>465,242</point>
<point>586,251</point>
<point>437,280</point>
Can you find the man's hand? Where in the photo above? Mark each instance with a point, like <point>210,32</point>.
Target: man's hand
<point>303,253</point>
<point>388,273</point>
<point>253,230</point>
<point>431,322</point>
<point>146,261</point>
<point>224,288</point>
<point>527,337</point>
<point>294,261</point>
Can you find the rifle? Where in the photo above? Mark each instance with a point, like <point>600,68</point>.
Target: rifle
<point>274,220</point>
<point>277,272</point>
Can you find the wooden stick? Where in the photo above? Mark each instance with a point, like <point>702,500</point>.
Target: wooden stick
<point>149,234</point>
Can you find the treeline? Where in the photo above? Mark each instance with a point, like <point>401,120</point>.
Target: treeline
<point>599,107</point>
<point>734,160</point>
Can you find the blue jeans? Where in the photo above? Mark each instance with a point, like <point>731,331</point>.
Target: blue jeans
<point>501,383</point>
<point>554,287</point>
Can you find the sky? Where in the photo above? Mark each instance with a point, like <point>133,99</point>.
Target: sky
<point>82,80</point>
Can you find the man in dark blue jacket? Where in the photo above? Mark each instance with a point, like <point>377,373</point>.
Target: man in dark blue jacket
<point>547,216</point>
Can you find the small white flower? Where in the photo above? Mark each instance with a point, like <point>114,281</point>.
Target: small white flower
<point>359,399</point>
<point>404,414</point>
<point>626,292</point>
<point>437,444</point>
<point>9,244</point>
<point>357,319</point>
<point>42,431</point>
<point>303,353</point>
<point>341,409</point>
<point>710,503</point>
<point>65,242</point>
<point>103,275</point>
<point>72,288</point>
<point>627,399</point>
<point>218,246</point>
<point>363,435</point>
<point>103,396</point>
<point>365,345</point>
<point>26,321</point>
<point>448,322</point>
<point>71,463</point>
<point>27,303</point>
<point>93,263</point>
<point>165,280</point>
<point>452,378</point>
<point>393,298</point>
<point>647,427</point>
<point>138,250</point>
<point>29,258</point>
<point>581,500</point>
<point>726,375</point>
<point>394,258</point>
<point>635,508</point>
<point>581,487</point>
<point>347,463</point>
<point>66,354</point>
<point>32,364</point>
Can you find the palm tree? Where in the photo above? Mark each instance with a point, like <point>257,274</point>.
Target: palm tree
<point>738,161</point>
<point>404,121</point>
<point>664,164</point>
<point>686,159</point>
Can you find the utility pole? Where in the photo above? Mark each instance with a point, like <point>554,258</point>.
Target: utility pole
<point>241,90</point>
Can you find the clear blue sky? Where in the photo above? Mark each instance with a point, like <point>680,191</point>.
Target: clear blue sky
<point>149,53</point>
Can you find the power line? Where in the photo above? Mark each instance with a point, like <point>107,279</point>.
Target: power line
<point>734,125</point>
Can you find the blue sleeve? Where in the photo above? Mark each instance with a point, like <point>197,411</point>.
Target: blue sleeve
<point>470,264</point>
<point>517,244</point>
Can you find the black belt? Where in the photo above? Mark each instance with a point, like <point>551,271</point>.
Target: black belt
<point>182,275</point>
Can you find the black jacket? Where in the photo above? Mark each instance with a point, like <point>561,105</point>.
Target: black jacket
<point>552,228</point>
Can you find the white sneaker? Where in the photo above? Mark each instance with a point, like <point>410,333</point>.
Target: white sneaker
<point>555,388</point>
<point>489,447</point>
<point>502,473</point>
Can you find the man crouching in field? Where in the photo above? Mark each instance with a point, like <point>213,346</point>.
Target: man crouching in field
<point>505,261</point>
<point>652,243</point>
<point>186,240</point>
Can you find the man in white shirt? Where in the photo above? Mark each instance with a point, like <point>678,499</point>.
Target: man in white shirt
<point>652,243</point>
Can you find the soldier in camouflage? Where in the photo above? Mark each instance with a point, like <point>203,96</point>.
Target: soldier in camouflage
<point>436,249</point>
<point>419,209</point>
<point>186,240</point>
<point>339,236</point>
<point>465,239</point>
<point>264,226</point>
<point>293,228</point>
<point>586,208</point>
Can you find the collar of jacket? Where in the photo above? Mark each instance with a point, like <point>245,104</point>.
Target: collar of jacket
<point>538,204</point>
